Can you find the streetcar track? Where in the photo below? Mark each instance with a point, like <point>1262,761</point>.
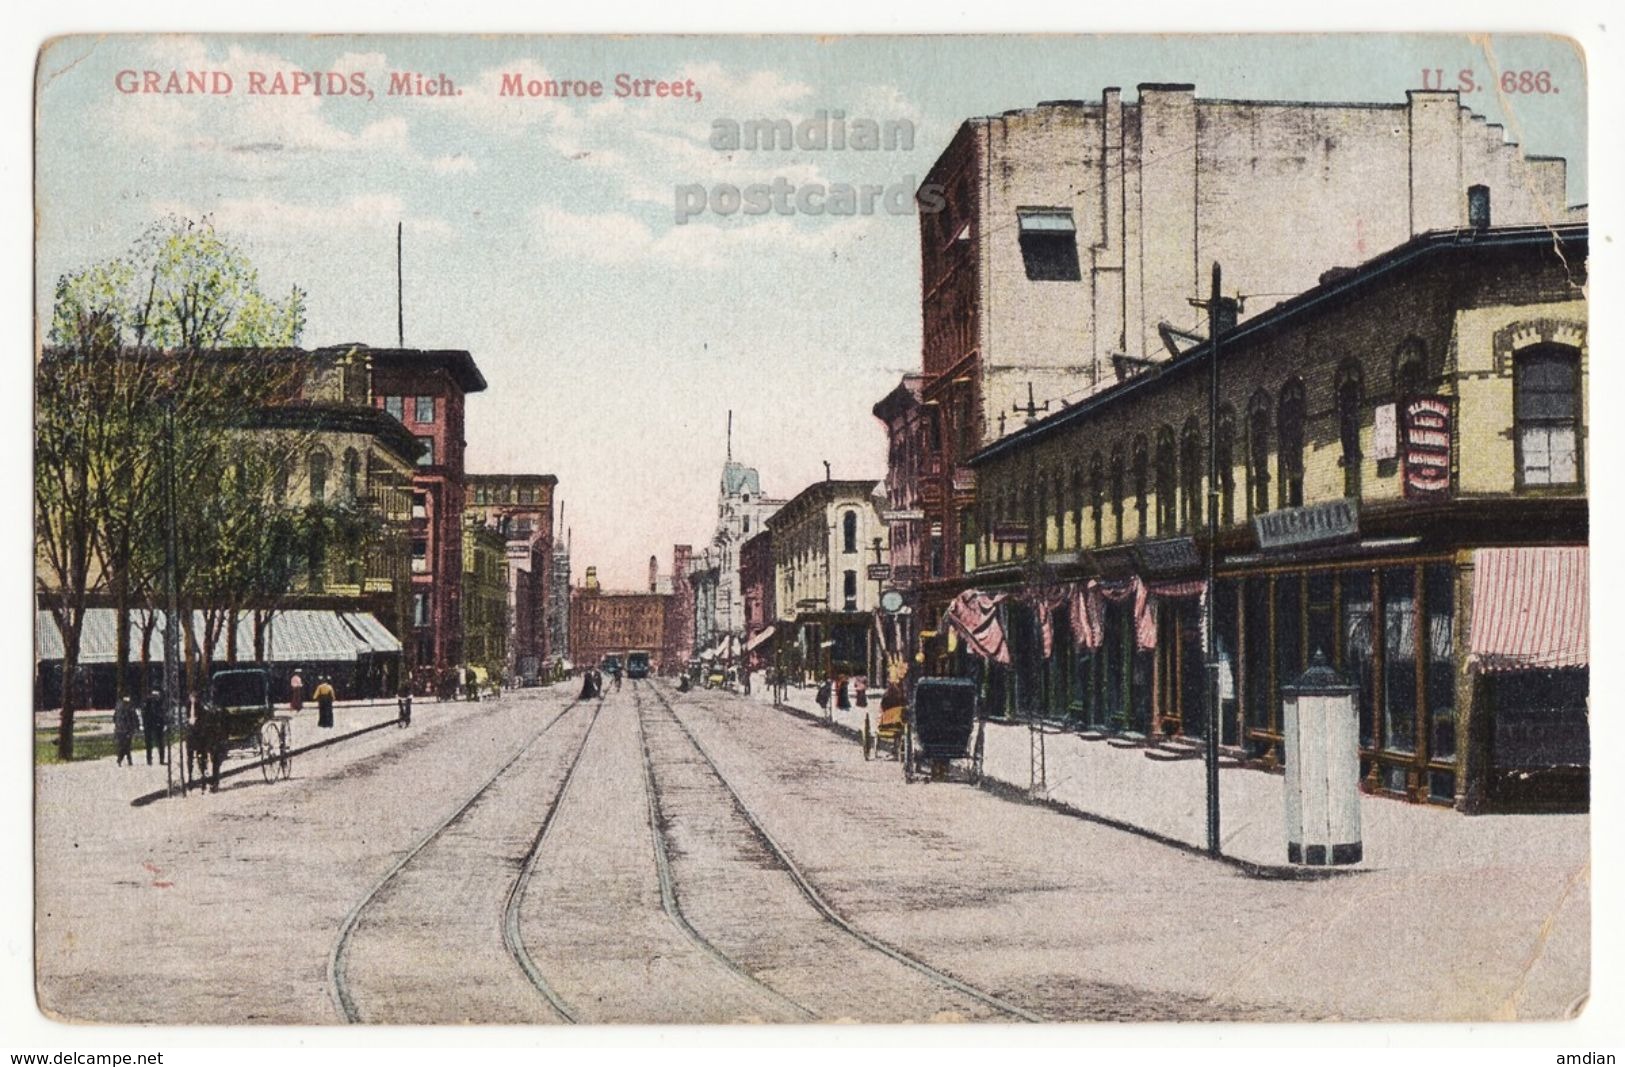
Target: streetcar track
<point>337,972</point>
<point>668,890</point>
<point>512,937</point>
<point>823,907</point>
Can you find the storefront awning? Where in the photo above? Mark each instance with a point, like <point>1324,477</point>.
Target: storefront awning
<point>1531,608</point>
<point>760,639</point>
<point>291,636</point>
<point>373,632</point>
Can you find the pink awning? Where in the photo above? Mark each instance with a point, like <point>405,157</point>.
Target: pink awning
<point>976,616</point>
<point>1531,608</point>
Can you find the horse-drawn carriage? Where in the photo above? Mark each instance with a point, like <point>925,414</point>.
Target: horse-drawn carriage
<point>238,715</point>
<point>942,725</point>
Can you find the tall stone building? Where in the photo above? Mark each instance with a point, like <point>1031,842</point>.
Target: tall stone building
<point>519,507</point>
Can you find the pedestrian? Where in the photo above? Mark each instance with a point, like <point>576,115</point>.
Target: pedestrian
<point>154,721</point>
<point>296,691</point>
<point>471,684</point>
<point>324,703</point>
<point>124,723</point>
<point>403,705</point>
<point>615,675</point>
<point>586,685</point>
<point>860,692</point>
<point>822,696</point>
<point>841,700</point>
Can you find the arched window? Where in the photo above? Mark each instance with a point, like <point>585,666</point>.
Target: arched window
<point>1097,495</point>
<point>319,461</point>
<point>1225,445</point>
<point>1546,399</point>
<point>1289,427</point>
<point>1167,482</point>
<point>1190,466</point>
<point>1258,453</point>
<point>1077,505</point>
<point>1117,491</point>
<point>1038,521</point>
<point>279,480</point>
<point>849,531</point>
<point>352,474</point>
<point>1410,369</point>
<point>1350,402</point>
<point>1142,482</point>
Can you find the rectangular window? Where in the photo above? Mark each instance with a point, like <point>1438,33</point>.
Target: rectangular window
<point>1546,387</point>
<point>420,556</point>
<point>1049,244</point>
<point>1399,659</point>
<point>396,406</point>
<point>426,458</point>
<point>849,591</point>
<point>420,505</point>
<point>420,609</point>
<point>423,410</point>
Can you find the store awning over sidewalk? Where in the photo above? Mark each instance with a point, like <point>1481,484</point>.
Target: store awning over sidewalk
<point>759,640</point>
<point>293,636</point>
<point>1531,608</point>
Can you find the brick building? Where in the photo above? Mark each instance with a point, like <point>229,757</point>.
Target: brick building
<point>1075,235</point>
<point>486,623</point>
<point>425,391</point>
<point>519,507</point>
<point>911,459</point>
<point>615,622</point>
<point>756,589</point>
<point>1402,489</point>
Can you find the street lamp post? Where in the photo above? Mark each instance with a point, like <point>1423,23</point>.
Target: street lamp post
<point>1216,321</point>
<point>173,698</point>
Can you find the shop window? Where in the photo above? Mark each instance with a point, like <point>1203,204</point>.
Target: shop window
<point>1256,686</point>
<point>1357,650</point>
<point>1399,659</point>
<point>1190,465</point>
<point>1289,620</point>
<point>849,532</point>
<point>1350,401</point>
<point>1320,622</point>
<point>1225,445</point>
<point>423,410</point>
<point>1289,453</point>
<point>1258,454</point>
<point>1439,602</point>
<point>1167,481</point>
<point>319,461</point>
<point>1226,645</point>
<point>1546,390</point>
<point>1049,244</point>
<point>1142,483</point>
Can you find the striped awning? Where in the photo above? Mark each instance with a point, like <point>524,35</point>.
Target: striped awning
<point>292,636</point>
<point>1531,608</point>
<point>370,630</point>
<point>756,642</point>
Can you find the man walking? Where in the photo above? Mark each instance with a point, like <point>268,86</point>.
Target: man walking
<point>403,704</point>
<point>154,726</point>
<point>324,704</point>
<point>124,721</point>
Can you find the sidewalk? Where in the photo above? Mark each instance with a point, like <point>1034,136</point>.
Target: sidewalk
<point>1167,801</point>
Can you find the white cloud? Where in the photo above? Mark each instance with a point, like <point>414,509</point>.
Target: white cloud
<point>453,164</point>
<point>264,216</point>
<point>616,238</point>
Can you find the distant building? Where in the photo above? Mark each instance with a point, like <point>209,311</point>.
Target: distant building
<point>520,508</point>
<point>756,586</point>
<point>742,512</point>
<point>485,597</point>
<point>605,622</point>
<point>425,391</point>
<point>911,458</point>
<point>823,541</point>
<point>558,598</point>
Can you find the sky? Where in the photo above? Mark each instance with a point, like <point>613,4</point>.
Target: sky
<point>542,234</point>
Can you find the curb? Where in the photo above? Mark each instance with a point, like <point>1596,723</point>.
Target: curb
<point>1011,792</point>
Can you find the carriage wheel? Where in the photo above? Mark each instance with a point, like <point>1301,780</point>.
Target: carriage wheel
<point>907,743</point>
<point>265,748</point>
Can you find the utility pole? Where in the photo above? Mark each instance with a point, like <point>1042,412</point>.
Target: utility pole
<point>400,291</point>
<point>1219,315</point>
<point>174,700</point>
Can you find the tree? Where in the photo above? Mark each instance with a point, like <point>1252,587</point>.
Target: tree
<point>135,346</point>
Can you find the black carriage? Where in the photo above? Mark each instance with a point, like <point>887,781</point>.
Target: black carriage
<point>239,715</point>
<point>943,726</point>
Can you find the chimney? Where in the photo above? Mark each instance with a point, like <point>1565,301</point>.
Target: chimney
<point>654,572</point>
<point>591,585</point>
<point>1478,207</point>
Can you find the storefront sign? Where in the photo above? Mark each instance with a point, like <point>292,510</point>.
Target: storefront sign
<point>879,572</point>
<point>1335,520</point>
<point>1175,555</point>
<point>905,574</point>
<point>1010,533</point>
<point>1385,432</point>
<point>1426,474</point>
<point>1118,562</point>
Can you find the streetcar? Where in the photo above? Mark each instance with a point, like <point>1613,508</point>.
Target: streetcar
<point>637,664</point>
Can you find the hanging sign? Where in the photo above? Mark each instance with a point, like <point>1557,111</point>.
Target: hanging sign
<point>1335,520</point>
<point>1426,473</point>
